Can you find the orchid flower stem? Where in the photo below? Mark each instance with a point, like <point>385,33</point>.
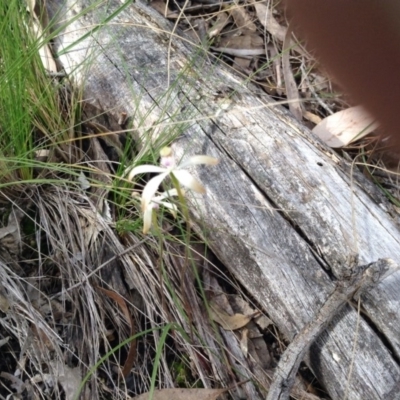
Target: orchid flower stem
<point>154,222</point>
<point>182,200</point>
<point>185,212</point>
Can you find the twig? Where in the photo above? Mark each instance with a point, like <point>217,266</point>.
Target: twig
<point>361,278</point>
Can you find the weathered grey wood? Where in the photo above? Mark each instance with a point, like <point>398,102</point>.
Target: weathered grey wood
<point>279,207</point>
<point>361,279</point>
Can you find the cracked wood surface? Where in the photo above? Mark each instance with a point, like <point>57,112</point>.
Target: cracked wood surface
<point>360,279</point>
<point>280,207</point>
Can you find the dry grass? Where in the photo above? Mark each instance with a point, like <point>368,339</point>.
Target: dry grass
<point>66,248</point>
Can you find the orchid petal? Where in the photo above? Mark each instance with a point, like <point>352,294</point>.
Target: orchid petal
<point>196,160</point>
<point>147,216</point>
<point>167,193</point>
<point>186,179</point>
<point>143,169</point>
<point>173,209</point>
<point>151,188</point>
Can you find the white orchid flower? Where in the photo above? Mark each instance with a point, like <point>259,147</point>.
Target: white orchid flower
<point>167,168</point>
<point>155,204</point>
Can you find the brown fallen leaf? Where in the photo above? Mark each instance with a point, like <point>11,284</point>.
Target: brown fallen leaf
<point>228,322</point>
<point>242,19</point>
<point>268,21</point>
<point>345,126</point>
<point>292,92</point>
<point>315,119</point>
<point>183,394</point>
<point>124,308</point>
<point>241,46</point>
<point>219,24</point>
<point>242,64</point>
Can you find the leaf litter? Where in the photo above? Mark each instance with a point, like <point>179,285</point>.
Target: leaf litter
<point>183,394</point>
<point>61,317</point>
<point>254,38</point>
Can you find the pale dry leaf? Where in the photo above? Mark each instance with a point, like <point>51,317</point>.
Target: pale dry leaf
<point>42,155</point>
<point>17,384</point>
<point>242,63</point>
<point>90,223</point>
<point>345,126</point>
<point>4,341</point>
<point>239,52</point>
<point>263,322</point>
<point>268,21</point>
<point>69,378</point>
<point>241,46</point>
<point>85,184</point>
<point>163,9</point>
<point>315,119</point>
<point>244,342</point>
<point>220,24</point>
<point>235,42</point>
<point>242,19</point>
<point>44,50</point>
<point>228,322</point>
<point>10,235</point>
<point>292,92</point>
<point>183,394</point>
<point>276,60</point>
<point>201,26</point>
<point>256,41</point>
<point>241,305</point>
<point>106,212</point>
<point>30,5</point>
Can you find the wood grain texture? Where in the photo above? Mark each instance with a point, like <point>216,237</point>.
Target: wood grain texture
<point>279,208</point>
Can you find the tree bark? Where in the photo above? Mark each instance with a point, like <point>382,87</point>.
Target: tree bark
<point>283,212</point>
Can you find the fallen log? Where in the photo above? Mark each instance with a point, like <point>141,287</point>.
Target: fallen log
<point>284,213</point>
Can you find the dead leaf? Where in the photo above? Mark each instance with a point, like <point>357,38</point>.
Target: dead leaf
<point>276,60</point>
<point>85,184</point>
<point>242,19</point>
<point>183,394</point>
<point>17,384</point>
<point>44,49</point>
<point>244,342</point>
<point>345,126</point>
<point>315,119</point>
<point>292,92</point>
<point>4,341</point>
<point>162,8</point>
<point>228,322</point>
<point>220,24</point>
<point>268,21</point>
<point>42,155</point>
<point>10,235</point>
<point>242,64</point>
<point>241,46</point>
<point>44,342</point>
<point>69,378</point>
<point>263,322</point>
<point>124,308</point>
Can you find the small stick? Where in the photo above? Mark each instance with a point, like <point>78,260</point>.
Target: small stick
<point>362,277</point>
